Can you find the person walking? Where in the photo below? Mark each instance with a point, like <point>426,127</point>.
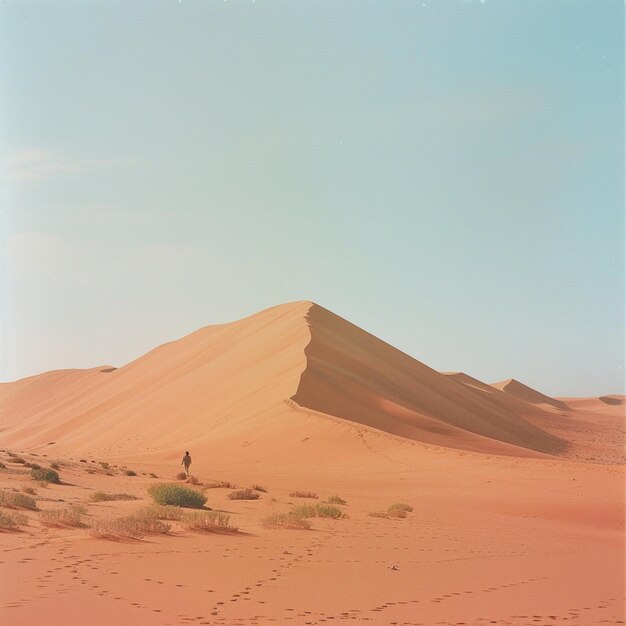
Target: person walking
<point>187,462</point>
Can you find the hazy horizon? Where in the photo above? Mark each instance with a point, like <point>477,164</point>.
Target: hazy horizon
<point>448,176</point>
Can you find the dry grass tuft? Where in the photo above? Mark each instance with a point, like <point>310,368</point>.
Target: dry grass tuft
<point>12,521</point>
<point>29,490</point>
<point>220,484</point>
<point>17,501</point>
<point>318,510</point>
<point>399,509</point>
<point>130,473</point>
<point>303,494</point>
<point>378,514</point>
<point>243,494</point>
<point>208,521</point>
<point>181,476</point>
<point>128,527</point>
<point>286,520</point>
<point>45,475</point>
<point>259,488</point>
<point>102,496</point>
<point>192,480</point>
<point>336,500</point>
<point>69,517</point>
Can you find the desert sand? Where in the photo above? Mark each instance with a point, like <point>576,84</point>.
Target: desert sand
<point>517,498</point>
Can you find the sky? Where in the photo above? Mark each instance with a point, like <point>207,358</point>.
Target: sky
<point>447,175</point>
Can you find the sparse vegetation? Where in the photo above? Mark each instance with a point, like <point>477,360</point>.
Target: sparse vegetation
<point>19,460</point>
<point>399,509</point>
<point>208,521</point>
<point>243,494</point>
<point>29,490</point>
<point>318,510</point>
<point>55,466</point>
<point>286,520</point>
<point>128,526</point>
<point>17,501</point>
<point>303,494</point>
<point>104,465</point>
<point>181,476</point>
<point>130,473</point>
<point>192,480</point>
<point>2,465</point>
<point>221,484</point>
<point>69,517</point>
<point>12,521</point>
<point>33,465</point>
<point>177,495</point>
<point>336,500</point>
<point>259,488</point>
<point>45,475</point>
<point>378,514</point>
<point>152,475</point>
<point>102,496</point>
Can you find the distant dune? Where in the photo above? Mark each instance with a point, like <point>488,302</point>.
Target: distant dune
<point>258,378</point>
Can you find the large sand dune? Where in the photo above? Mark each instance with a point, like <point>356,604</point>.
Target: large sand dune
<point>261,376</point>
<point>518,499</point>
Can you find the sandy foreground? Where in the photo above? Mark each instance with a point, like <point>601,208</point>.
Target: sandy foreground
<point>517,498</point>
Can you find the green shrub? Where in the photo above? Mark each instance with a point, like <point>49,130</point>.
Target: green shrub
<point>177,495</point>
<point>243,494</point>
<point>17,500</point>
<point>45,475</point>
<point>336,500</point>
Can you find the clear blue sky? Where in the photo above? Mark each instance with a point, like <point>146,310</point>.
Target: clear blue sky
<point>448,175</point>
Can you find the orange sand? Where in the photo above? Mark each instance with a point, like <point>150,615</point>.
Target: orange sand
<point>518,498</point>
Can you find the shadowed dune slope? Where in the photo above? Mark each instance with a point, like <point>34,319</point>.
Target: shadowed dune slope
<point>261,376</point>
<point>353,375</point>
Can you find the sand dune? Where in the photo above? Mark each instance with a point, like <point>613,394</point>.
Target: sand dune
<point>518,501</point>
<point>260,378</point>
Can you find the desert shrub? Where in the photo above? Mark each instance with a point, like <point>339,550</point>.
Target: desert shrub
<point>336,500</point>
<point>104,465</point>
<point>181,476</point>
<point>55,466</point>
<point>19,460</point>
<point>79,508</point>
<point>317,510</point>
<point>210,521</point>
<point>102,496</point>
<point>33,465</point>
<point>128,526</point>
<point>152,475</point>
<point>61,518</point>
<point>29,490</point>
<point>45,475</point>
<point>398,509</point>
<point>17,500</point>
<point>177,495</point>
<point>130,473</point>
<point>259,488</point>
<point>243,494</point>
<point>192,480</point>
<point>12,521</point>
<point>2,465</point>
<point>303,494</point>
<point>286,520</point>
<point>378,514</point>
